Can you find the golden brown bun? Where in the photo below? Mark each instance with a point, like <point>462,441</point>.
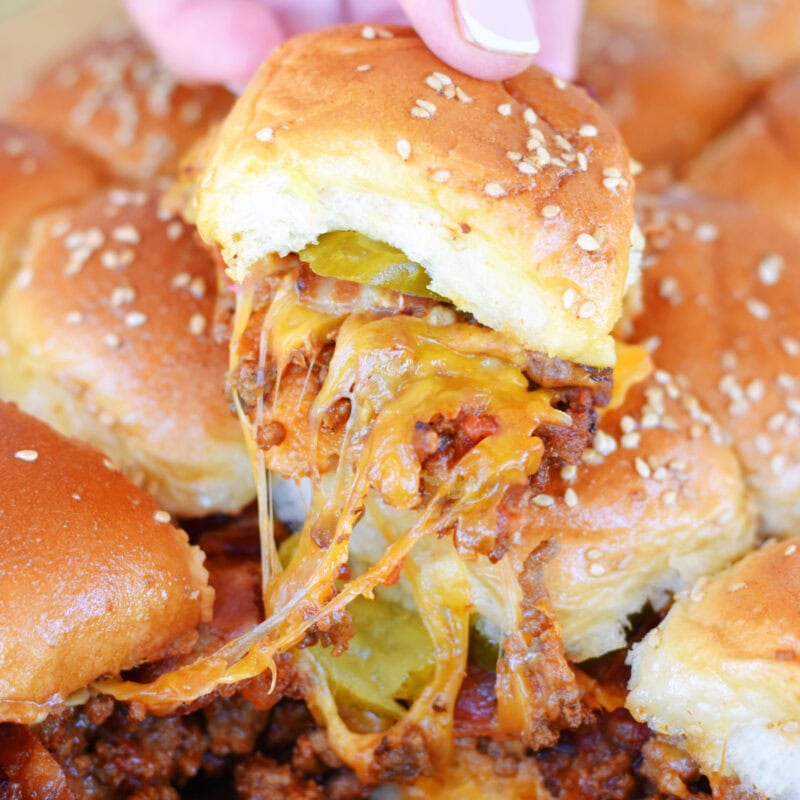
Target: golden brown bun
<point>758,159</point>
<point>761,36</point>
<point>113,99</point>
<point>373,143</point>
<point>92,580</point>
<point>658,501</point>
<point>665,93</point>
<point>720,298</point>
<point>722,673</point>
<point>36,174</point>
<point>107,331</point>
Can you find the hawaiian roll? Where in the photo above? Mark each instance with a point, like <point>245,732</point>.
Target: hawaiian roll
<point>721,675</point>
<point>107,332</point>
<point>115,100</point>
<point>93,577</point>
<point>36,174</point>
<point>720,298</point>
<point>513,196</point>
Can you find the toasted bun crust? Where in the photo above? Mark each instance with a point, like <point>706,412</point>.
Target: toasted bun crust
<point>36,174</point>
<point>91,582</point>
<point>722,672</point>
<point>108,337</point>
<point>721,307</point>
<point>758,159</point>
<point>113,99</point>
<point>372,142</point>
<point>663,91</point>
<point>658,501</point>
<point>761,36</point>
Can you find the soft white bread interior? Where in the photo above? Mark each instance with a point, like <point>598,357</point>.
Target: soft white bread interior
<point>515,196</point>
<point>722,674</point>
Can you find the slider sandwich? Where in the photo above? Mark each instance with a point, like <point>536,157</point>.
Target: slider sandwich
<point>107,331</point>
<point>113,99</point>
<point>427,269</point>
<point>721,314</point>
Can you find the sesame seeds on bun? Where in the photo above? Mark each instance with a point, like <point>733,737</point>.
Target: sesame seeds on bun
<point>720,297</point>
<point>93,578</point>
<point>116,101</point>
<point>107,330</point>
<point>36,174</point>
<point>514,196</point>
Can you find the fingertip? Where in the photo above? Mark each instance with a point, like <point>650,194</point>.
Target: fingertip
<point>559,34</point>
<point>210,41</point>
<point>435,22</point>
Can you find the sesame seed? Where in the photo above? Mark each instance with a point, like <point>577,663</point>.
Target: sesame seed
<point>635,167</point>
<point>583,162</point>
<point>551,211</point>
<point>384,34</point>
<point>197,288</point>
<point>368,32</point>
<point>568,472</point>
<point>642,468</point>
<point>162,516</point>
<point>562,143</point>
<point>790,550</point>
<point>74,317</point>
<point>265,134</point>
<point>526,168</point>
<point>426,105</point>
<point>445,80</point>
<point>588,131</point>
<point>181,280</point>
<point>462,95</point>
<point>706,232</point>
<point>757,308</point>
<point>569,298</point>
<point>434,83</point>
<point>24,278</point>
<point>570,498</point>
<point>791,346</point>
<point>26,455</point>
<point>494,189</point>
<point>112,340</point>
<point>174,230</point>
<point>121,295</point>
<point>420,113</point>
<point>513,155</point>
<point>737,587</point>
<point>604,443</point>
<point>197,324</point>
<point>403,149</point>
<point>614,183</point>
<point>543,500</point>
<point>770,268</point>
<point>441,176</point>
<point>126,234</point>
<point>59,229</point>
<point>559,83</point>
<point>630,441</point>
<point>135,319</point>
<point>587,242</point>
<point>596,570</point>
<point>593,554</point>
<point>587,310</point>
<point>363,67</point>
<point>504,109</point>
<point>669,498</point>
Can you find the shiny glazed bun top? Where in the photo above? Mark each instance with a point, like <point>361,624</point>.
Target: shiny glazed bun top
<point>93,578</point>
<point>515,196</point>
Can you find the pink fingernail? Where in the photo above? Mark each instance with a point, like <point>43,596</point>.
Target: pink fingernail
<point>500,26</point>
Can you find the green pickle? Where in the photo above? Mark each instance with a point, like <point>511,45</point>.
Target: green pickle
<point>388,662</point>
<point>351,256</point>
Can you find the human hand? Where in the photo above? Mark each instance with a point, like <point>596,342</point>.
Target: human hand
<point>224,41</point>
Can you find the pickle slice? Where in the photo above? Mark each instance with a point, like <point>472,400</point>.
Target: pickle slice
<point>387,663</point>
<point>351,256</point>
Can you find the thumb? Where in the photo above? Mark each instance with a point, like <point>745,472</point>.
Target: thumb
<point>488,39</point>
<point>212,41</point>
